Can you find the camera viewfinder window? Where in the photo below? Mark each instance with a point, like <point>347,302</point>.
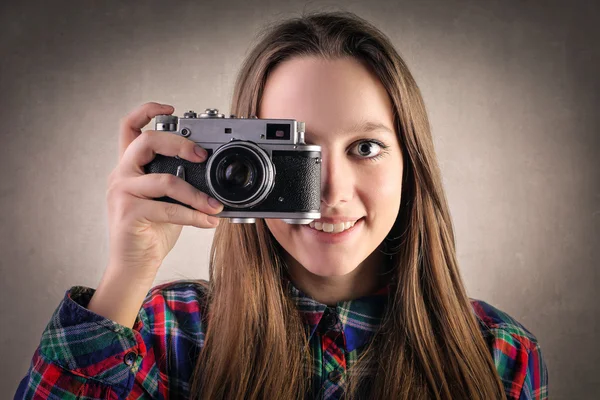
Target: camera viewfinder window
<point>278,131</point>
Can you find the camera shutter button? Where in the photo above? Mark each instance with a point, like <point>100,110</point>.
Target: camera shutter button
<point>211,113</point>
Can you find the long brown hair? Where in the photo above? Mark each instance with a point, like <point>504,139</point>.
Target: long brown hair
<point>429,344</point>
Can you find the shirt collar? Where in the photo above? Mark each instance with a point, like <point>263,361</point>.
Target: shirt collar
<point>360,317</point>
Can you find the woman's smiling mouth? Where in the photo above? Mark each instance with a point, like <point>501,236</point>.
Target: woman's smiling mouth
<point>333,233</point>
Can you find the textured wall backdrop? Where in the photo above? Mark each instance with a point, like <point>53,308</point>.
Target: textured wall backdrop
<point>511,87</point>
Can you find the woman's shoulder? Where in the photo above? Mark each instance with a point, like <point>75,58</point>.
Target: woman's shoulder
<point>182,305</point>
<point>183,294</point>
<point>493,319</point>
<point>187,287</point>
<point>515,350</point>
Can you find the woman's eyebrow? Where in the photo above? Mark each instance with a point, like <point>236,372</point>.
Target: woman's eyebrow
<point>368,127</point>
<point>361,127</point>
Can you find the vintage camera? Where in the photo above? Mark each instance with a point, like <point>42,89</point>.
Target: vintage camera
<point>258,168</point>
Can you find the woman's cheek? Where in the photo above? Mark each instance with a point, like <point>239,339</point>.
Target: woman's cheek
<point>382,184</point>
<point>282,231</point>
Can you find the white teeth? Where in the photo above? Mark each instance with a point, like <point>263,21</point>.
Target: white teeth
<point>332,228</point>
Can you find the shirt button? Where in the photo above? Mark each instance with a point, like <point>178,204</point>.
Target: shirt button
<point>331,320</point>
<point>335,375</point>
<point>129,358</point>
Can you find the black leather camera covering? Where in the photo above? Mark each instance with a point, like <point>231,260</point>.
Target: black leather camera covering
<point>297,181</point>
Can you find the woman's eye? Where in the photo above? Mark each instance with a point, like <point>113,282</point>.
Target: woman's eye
<point>369,148</point>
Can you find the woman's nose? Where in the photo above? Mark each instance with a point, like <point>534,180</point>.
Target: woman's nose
<point>337,181</point>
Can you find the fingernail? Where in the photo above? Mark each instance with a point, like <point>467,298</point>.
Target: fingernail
<point>214,203</point>
<point>213,220</point>
<point>200,152</point>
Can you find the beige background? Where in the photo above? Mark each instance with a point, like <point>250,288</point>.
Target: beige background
<point>512,91</point>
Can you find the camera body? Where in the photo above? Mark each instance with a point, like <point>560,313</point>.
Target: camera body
<point>258,168</point>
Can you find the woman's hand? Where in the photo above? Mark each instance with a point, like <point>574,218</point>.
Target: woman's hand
<point>143,231</point>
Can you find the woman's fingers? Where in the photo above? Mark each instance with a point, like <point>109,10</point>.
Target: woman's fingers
<point>145,147</point>
<point>151,186</point>
<point>131,125</point>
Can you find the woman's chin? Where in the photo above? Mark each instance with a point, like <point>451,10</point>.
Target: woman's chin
<point>329,267</point>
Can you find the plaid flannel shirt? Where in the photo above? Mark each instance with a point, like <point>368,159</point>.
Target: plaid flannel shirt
<point>84,355</point>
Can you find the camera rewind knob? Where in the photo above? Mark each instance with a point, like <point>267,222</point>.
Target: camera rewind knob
<point>166,122</point>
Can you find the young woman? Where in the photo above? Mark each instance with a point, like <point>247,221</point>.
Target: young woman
<point>366,303</point>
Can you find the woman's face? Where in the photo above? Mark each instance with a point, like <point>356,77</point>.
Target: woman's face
<point>361,170</point>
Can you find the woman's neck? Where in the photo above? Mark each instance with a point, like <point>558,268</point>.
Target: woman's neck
<point>365,279</point>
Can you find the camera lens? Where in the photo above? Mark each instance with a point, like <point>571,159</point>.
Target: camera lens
<point>240,174</point>
<point>235,173</point>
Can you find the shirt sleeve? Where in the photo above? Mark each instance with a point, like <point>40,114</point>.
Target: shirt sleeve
<point>84,354</point>
<point>535,384</point>
<point>519,362</point>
